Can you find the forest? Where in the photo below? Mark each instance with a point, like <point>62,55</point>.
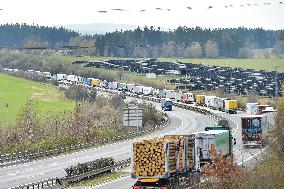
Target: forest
<point>182,42</point>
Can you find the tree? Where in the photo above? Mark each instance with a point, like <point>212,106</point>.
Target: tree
<point>245,53</point>
<point>224,172</point>
<point>169,50</point>
<point>34,42</point>
<point>278,47</point>
<point>195,50</point>
<point>82,42</point>
<point>139,52</point>
<point>28,124</point>
<point>120,73</point>
<point>211,49</point>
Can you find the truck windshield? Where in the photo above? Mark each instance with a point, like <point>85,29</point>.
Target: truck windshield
<point>168,103</point>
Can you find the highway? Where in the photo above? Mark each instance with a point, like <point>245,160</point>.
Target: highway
<point>181,122</point>
<point>243,156</point>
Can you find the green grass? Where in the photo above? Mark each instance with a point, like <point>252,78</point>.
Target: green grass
<point>17,91</point>
<point>258,64</point>
<point>100,179</point>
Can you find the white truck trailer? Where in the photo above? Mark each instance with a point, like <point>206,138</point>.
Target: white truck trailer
<point>212,141</point>
<point>170,94</point>
<point>209,101</point>
<point>251,108</point>
<point>147,90</point>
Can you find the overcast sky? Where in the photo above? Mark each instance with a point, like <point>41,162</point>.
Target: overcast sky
<point>63,12</point>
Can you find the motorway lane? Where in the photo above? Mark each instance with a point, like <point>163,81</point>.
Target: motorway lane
<point>246,156</point>
<point>181,122</point>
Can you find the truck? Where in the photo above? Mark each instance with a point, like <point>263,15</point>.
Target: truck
<point>87,81</point>
<point>253,127</point>
<point>200,100</point>
<point>212,142</point>
<point>60,77</point>
<point>170,94</point>
<point>178,96</point>
<point>166,104</point>
<point>162,93</point>
<point>138,90</point>
<point>95,82</point>
<point>231,106</point>
<point>113,85</point>
<point>215,103</point>
<point>221,104</point>
<point>46,74</point>
<point>163,163</point>
<point>121,86</point>
<point>251,108</point>
<point>104,84</point>
<point>72,78</point>
<point>130,87</point>
<point>209,101</point>
<point>260,109</point>
<point>187,98</point>
<point>147,91</point>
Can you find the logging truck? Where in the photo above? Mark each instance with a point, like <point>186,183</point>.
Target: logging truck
<point>175,160</point>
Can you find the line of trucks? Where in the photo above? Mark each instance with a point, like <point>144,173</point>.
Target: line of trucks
<point>213,102</point>
<point>167,161</point>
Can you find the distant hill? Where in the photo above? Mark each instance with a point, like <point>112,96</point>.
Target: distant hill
<point>101,28</point>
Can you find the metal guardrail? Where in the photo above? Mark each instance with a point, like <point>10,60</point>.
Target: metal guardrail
<point>59,182</point>
<point>47,183</point>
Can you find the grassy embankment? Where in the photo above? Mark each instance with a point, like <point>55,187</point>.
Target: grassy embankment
<point>258,64</point>
<point>15,92</point>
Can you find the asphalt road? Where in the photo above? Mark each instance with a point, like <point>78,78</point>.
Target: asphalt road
<point>181,122</point>
<point>244,156</point>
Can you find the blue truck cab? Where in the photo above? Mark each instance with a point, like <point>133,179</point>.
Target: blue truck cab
<point>166,104</point>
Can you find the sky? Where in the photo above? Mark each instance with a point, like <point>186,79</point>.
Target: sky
<point>64,12</point>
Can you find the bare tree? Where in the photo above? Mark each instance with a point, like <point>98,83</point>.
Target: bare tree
<point>211,49</point>
<point>195,50</point>
<point>279,47</point>
<point>170,50</point>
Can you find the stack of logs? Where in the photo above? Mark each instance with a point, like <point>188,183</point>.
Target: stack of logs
<point>179,139</point>
<point>161,156</point>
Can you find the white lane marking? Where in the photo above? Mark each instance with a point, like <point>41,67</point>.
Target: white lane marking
<point>236,127</point>
<point>253,156</point>
<point>110,182</point>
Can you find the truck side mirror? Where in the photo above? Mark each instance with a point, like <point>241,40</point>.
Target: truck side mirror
<point>235,142</point>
